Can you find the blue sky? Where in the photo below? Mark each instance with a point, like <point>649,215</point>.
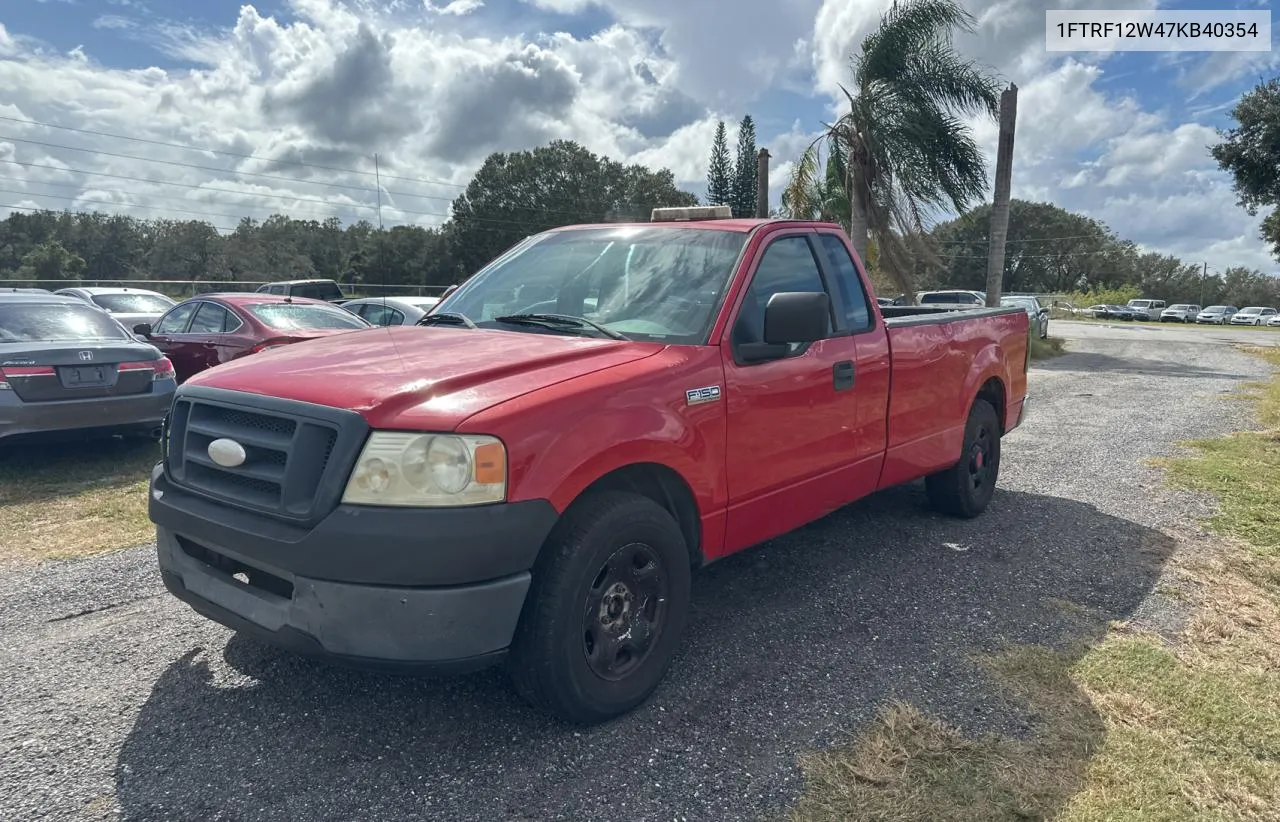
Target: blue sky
<point>433,86</point>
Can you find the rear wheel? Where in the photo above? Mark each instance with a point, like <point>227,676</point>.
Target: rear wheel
<point>606,610</point>
<point>965,489</point>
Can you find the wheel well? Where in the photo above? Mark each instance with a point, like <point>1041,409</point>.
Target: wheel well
<point>665,487</point>
<point>993,392</point>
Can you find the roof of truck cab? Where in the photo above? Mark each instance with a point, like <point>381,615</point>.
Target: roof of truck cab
<point>740,225</point>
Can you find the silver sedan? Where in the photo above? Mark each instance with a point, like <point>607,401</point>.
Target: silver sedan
<point>391,310</point>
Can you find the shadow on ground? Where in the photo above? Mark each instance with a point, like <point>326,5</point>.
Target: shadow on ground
<point>1132,366</point>
<point>792,646</point>
<point>42,471</point>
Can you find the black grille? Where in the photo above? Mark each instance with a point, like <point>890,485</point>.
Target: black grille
<point>289,470</point>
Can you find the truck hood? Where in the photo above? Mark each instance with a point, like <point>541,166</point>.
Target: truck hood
<point>414,378</point>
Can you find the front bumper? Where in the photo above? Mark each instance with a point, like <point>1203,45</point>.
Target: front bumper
<point>140,411</point>
<point>416,590</point>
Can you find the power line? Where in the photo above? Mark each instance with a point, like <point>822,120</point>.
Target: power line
<point>231,171</point>
<point>117,204</point>
<point>206,150</point>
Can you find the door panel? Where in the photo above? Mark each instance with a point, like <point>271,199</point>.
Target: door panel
<point>789,426</point>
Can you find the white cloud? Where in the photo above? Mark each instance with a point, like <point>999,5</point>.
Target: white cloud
<point>432,89</point>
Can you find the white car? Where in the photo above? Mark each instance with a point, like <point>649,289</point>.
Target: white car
<point>1273,322</point>
<point>1180,313</point>
<point>952,299</point>
<point>128,306</point>
<point>1253,315</point>
<point>1216,314</point>
<point>1146,309</point>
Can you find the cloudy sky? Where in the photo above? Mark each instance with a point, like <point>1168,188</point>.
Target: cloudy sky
<point>217,109</point>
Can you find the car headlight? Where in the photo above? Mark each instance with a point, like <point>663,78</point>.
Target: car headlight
<point>428,470</point>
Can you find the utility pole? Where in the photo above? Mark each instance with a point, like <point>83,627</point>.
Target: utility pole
<point>1000,201</point>
<point>1204,276</point>
<point>762,183</point>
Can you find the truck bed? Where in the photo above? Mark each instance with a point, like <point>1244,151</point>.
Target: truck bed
<point>941,357</point>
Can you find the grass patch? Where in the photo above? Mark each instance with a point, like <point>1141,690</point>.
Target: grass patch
<point>1047,348</point>
<point>65,501</point>
<point>1133,727</point>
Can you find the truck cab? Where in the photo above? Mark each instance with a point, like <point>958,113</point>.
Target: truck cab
<point>531,474</point>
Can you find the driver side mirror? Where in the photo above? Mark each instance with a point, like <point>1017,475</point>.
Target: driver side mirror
<point>142,329</point>
<point>790,317</point>
<point>796,317</point>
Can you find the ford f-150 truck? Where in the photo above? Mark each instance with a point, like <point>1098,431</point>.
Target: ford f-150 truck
<point>531,474</point>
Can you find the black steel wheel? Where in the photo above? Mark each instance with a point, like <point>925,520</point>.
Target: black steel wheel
<point>966,488</point>
<point>605,611</point>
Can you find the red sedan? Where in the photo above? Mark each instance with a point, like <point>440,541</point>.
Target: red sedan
<point>205,331</point>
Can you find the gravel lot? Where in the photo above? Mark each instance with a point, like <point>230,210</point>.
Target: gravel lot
<point>121,703</point>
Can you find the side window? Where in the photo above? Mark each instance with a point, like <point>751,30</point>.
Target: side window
<point>857,310</point>
<point>376,314</point>
<point>276,289</point>
<point>787,265</point>
<point>175,322</point>
<point>211,319</point>
<point>395,317</point>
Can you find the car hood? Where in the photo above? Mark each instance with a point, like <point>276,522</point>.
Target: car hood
<point>415,378</point>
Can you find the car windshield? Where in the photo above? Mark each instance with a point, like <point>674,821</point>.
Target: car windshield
<point>645,283</point>
<point>1251,310</point>
<point>304,316</point>
<point>947,297</point>
<point>1021,302</point>
<point>45,322</point>
<point>133,303</point>
<point>1216,309</point>
<point>1178,307</point>
<point>316,291</point>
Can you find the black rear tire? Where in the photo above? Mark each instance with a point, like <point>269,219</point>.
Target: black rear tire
<point>965,489</point>
<point>606,610</point>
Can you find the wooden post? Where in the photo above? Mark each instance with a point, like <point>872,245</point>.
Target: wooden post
<point>762,183</point>
<point>1000,200</point>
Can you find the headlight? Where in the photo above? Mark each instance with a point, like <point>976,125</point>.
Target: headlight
<point>428,470</point>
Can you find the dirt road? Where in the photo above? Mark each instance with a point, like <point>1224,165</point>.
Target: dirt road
<point>121,703</point>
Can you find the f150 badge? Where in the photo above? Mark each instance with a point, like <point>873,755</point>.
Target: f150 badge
<point>697,396</point>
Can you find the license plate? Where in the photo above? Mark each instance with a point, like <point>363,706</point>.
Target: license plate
<point>86,375</point>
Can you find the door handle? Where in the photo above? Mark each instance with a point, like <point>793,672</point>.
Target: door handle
<point>842,375</point>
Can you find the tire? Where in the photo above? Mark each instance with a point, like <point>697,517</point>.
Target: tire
<point>574,653</point>
<point>965,489</point>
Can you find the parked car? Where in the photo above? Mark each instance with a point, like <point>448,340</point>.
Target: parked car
<point>128,306</point>
<point>391,310</point>
<point>952,299</point>
<point>1037,315</point>
<point>1252,315</point>
<point>67,368</point>
<point>326,290</point>
<point>10,289</point>
<point>537,485</point>
<point>1273,321</point>
<point>1098,312</point>
<point>1122,312</point>
<point>1180,313</point>
<point>1216,314</point>
<point>211,329</point>
<point>1146,309</point>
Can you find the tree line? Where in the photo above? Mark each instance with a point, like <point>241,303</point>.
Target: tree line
<point>512,195</point>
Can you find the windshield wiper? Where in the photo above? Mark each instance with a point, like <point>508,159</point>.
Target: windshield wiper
<point>560,321</point>
<point>447,318</point>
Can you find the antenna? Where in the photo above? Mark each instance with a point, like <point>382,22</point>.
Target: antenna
<point>377,176</point>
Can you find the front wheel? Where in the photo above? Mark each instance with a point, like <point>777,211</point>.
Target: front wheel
<point>606,610</point>
<point>965,489</point>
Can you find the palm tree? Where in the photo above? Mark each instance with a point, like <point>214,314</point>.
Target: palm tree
<point>902,152</point>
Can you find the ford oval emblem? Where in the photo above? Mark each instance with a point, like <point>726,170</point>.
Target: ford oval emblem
<point>227,453</point>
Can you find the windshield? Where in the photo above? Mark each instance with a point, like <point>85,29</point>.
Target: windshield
<point>1020,302</point>
<point>948,297</point>
<point>1217,309</point>
<point>325,290</point>
<point>134,303</point>
<point>302,316</point>
<point>27,322</point>
<point>660,284</point>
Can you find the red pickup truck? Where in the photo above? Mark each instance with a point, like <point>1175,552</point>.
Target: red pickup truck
<point>532,473</point>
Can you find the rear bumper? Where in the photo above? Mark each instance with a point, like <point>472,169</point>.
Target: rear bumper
<point>106,414</point>
<point>415,591</point>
